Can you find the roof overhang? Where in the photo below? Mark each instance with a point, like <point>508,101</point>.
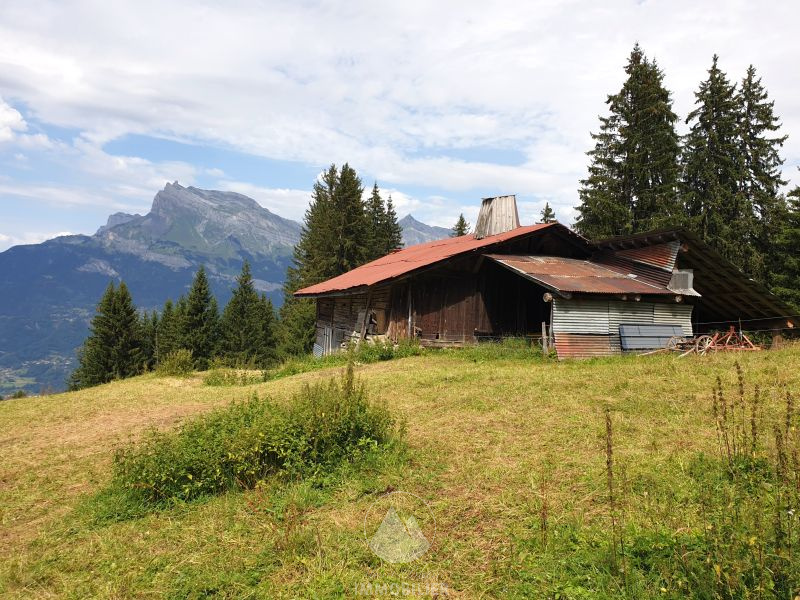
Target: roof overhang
<point>568,276</point>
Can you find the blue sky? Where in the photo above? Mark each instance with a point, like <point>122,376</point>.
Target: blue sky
<point>442,103</point>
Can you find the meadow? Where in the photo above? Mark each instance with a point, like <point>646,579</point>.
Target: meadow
<point>510,450</point>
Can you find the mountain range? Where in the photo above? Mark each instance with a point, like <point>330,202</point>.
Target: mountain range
<point>48,291</point>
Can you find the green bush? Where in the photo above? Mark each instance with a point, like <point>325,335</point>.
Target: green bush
<point>178,363</point>
<point>236,447</point>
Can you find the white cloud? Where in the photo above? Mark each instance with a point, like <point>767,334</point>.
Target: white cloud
<point>11,122</point>
<point>390,87</point>
<point>8,240</point>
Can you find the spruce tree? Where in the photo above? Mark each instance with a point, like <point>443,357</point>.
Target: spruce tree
<point>149,334</point>
<point>113,349</point>
<point>335,239</point>
<point>547,215</point>
<point>461,227</point>
<point>762,180</point>
<point>200,321</point>
<point>168,332</point>
<point>376,221</point>
<point>714,168</point>
<point>352,237</point>
<point>268,352</point>
<point>786,277</point>
<point>632,184</point>
<point>126,356</point>
<point>247,324</point>
<point>392,232</point>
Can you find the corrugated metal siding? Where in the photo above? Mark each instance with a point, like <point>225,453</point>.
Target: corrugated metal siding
<point>577,345</point>
<point>675,313</point>
<point>591,327</point>
<point>580,316</point>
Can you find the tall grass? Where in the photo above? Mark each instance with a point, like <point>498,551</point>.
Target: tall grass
<point>325,425</point>
<point>742,544</point>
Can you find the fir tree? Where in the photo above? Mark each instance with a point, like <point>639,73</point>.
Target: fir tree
<point>247,324</point>
<point>714,168</point>
<point>199,321</point>
<point>632,184</point>
<point>461,227</point>
<point>547,215</point>
<point>113,348</point>
<point>762,180</point>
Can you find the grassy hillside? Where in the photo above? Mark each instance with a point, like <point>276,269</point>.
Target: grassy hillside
<point>495,447</point>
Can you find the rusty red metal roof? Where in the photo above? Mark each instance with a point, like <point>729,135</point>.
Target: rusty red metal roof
<point>410,259</point>
<point>572,275</point>
<point>658,255</point>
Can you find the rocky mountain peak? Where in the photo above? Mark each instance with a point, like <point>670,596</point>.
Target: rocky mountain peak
<point>118,218</point>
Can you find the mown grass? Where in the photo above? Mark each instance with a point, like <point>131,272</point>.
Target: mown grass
<point>488,438</point>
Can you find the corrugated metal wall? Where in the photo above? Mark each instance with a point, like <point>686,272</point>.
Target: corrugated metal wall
<point>584,328</point>
<point>675,313</point>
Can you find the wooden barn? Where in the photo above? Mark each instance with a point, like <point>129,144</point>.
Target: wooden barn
<point>588,298</point>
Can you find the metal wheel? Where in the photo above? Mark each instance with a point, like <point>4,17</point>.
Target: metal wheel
<point>704,344</point>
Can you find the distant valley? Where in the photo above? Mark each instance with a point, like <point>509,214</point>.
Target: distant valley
<point>48,291</point>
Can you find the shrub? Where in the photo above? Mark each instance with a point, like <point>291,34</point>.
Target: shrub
<point>177,363</point>
<point>236,447</point>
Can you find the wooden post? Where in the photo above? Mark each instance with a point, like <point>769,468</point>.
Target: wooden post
<point>410,332</point>
<point>777,339</point>
<point>544,338</point>
<point>366,316</point>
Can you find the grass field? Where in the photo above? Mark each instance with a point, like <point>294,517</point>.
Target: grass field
<point>494,446</point>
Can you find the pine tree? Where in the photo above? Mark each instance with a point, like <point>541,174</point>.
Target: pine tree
<point>634,170</point>
<point>247,324</point>
<point>548,215</point>
<point>786,278</point>
<point>714,168</point>
<point>461,227</point>
<point>200,321</point>
<point>113,349</point>
<point>762,179</point>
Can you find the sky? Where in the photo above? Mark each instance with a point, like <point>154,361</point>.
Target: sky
<point>442,103</point>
